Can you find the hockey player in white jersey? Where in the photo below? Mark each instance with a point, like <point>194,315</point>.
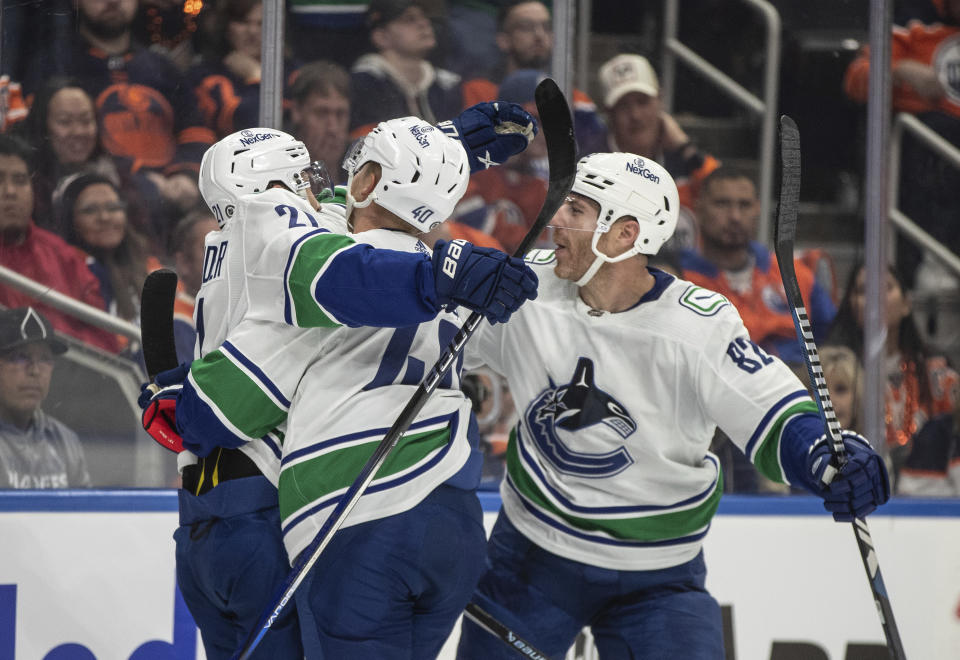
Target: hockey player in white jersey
<point>620,374</point>
<point>279,266</point>
<point>229,551</point>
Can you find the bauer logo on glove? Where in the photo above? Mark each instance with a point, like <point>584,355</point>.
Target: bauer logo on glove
<point>481,279</point>
<point>450,260</point>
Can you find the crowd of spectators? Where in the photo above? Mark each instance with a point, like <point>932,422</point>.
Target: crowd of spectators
<point>102,132</point>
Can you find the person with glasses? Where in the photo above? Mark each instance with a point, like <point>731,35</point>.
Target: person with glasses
<point>524,42</point>
<point>94,218</point>
<point>36,450</point>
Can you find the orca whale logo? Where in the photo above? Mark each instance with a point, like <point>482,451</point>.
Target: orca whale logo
<point>574,406</point>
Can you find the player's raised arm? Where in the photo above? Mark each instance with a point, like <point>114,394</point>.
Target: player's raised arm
<point>404,176</point>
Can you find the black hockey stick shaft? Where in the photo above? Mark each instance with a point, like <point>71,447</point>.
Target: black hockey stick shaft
<point>784,239</point>
<point>156,321</point>
<point>557,126</point>
<point>486,621</point>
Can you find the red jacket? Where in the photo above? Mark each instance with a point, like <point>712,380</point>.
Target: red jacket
<point>45,257</point>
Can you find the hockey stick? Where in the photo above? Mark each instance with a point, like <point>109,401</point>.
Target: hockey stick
<point>784,236</point>
<point>486,621</point>
<point>156,321</point>
<point>557,126</point>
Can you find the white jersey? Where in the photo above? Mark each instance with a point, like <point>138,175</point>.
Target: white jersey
<point>233,273</point>
<point>355,388</point>
<point>609,463</point>
<point>333,390</point>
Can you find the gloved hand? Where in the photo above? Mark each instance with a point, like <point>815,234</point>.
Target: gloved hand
<point>856,489</point>
<point>481,279</point>
<point>158,400</point>
<point>491,132</point>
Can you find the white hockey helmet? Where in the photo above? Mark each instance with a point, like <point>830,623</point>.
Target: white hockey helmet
<point>248,161</point>
<point>625,184</point>
<point>424,173</point>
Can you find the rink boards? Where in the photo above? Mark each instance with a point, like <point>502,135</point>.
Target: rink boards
<point>90,574</point>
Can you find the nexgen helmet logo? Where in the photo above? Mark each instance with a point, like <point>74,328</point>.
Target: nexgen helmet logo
<point>640,167</point>
<point>249,137</point>
<point>418,132</point>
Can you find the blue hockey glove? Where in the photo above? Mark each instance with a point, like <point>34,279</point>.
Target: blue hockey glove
<point>491,132</point>
<point>481,279</point>
<point>856,489</point>
<point>158,400</point>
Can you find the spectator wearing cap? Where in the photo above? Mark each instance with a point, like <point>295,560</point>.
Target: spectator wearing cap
<point>638,124</point>
<point>36,450</point>
<point>226,78</point>
<point>39,254</point>
<point>398,80</point>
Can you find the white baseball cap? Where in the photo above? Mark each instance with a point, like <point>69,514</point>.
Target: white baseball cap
<point>627,73</point>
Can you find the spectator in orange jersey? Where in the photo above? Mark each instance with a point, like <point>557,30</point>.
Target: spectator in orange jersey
<point>451,230</point>
<point>932,468</point>
<point>13,109</point>
<point>732,263</point>
<point>920,384</point>
<point>226,80</point>
<point>925,58</point>
<point>39,254</point>
<point>148,117</point>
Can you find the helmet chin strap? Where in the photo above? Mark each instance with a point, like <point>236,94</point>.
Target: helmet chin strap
<point>594,267</point>
<point>602,258</point>
<point>352,202</point>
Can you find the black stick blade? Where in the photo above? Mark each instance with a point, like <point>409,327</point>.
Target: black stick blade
<point>786,228</point>
<point>156,321</point>
<point>556,122</point>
